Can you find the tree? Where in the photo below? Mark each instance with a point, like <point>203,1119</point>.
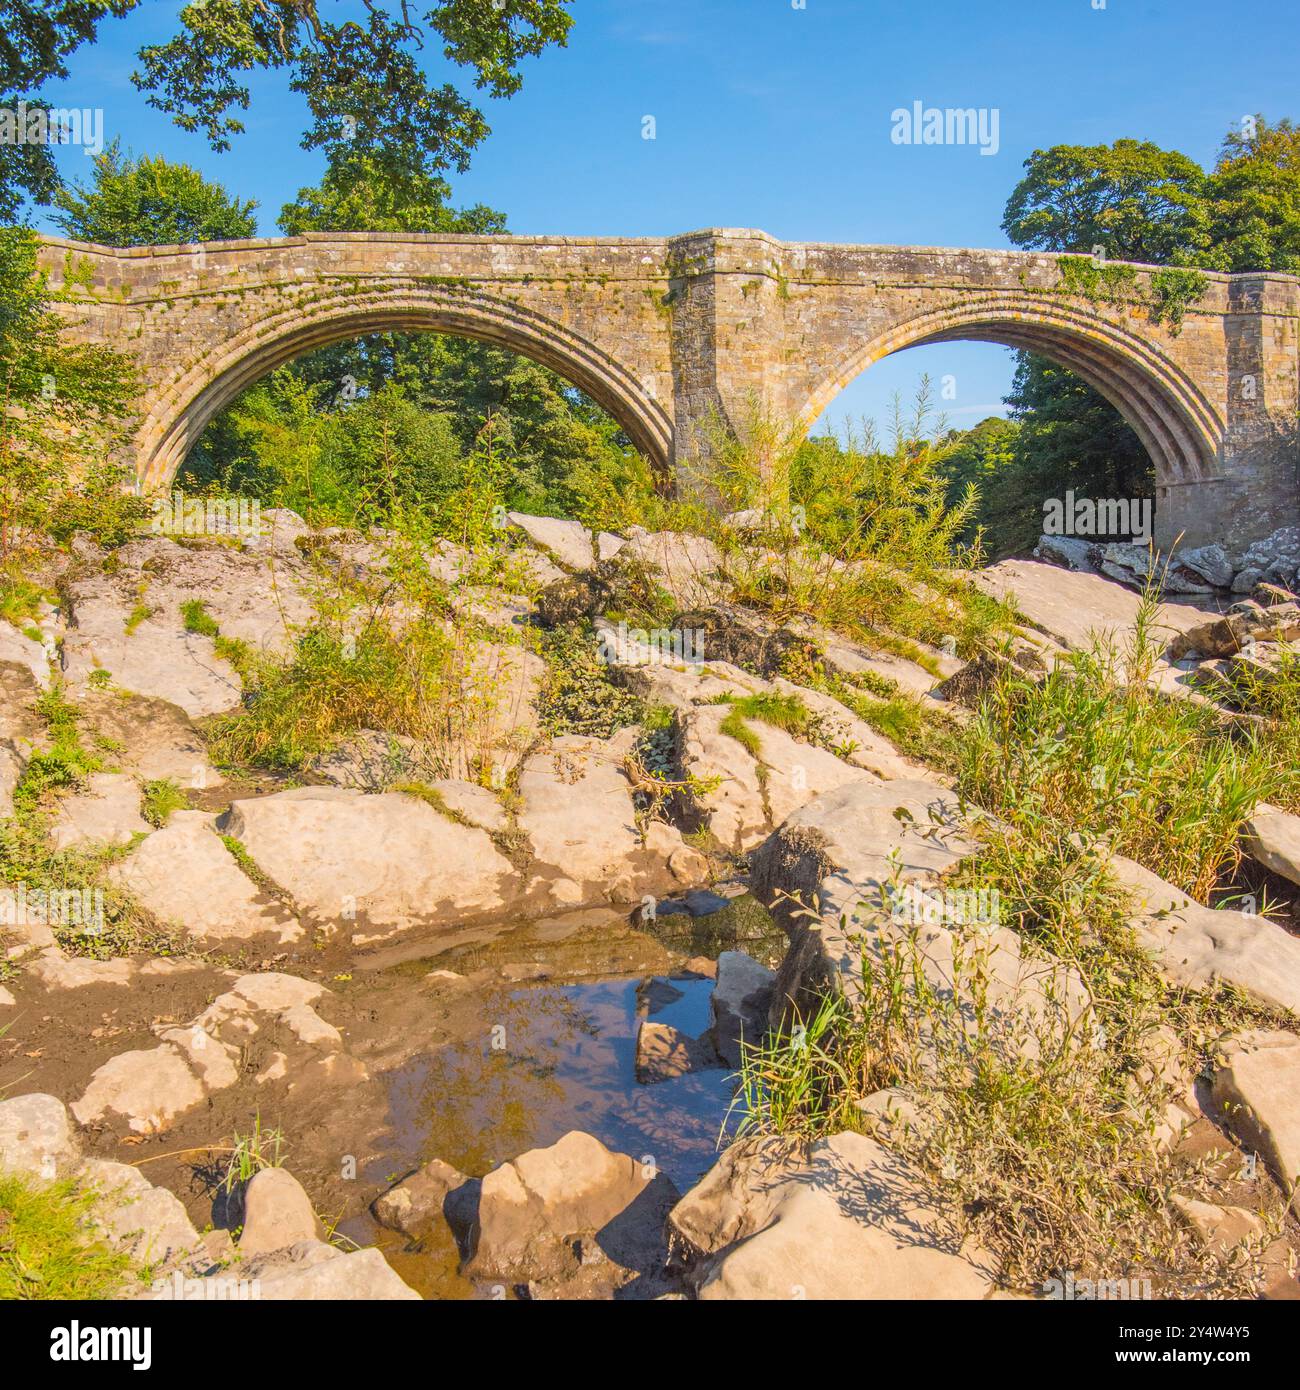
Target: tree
<point>150,201</point>
<point>35,42</point>
<point>358,194</point>
<point>63,411</point>
<point>1253,197</point>
<point>360,68</point>
<point>1134,200</point>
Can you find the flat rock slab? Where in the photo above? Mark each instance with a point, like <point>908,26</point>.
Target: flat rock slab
<point>841,1219</point>
<point>1256,1094</point>
<point>567,541</point>
<point>106,813</point>
<point>577,809</point>
<point>1196,945</point>
<point>1076,608</point>
<point>210,898</point>
<point>386,863</point>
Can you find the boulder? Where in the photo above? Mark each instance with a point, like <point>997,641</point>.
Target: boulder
<point>567,542</point>
<point>1227,635</point>
<point>851,858</point>
<point>213,899</point>
<point>1196,945</point>
<point>1256,1094</point>
<point>1211,562</point>
<point>387,862</point>
<point>536,1212</point>
<point>1272,838</point>
<point>148,1223</point>
<point>843,1218</point>
<point>431,1194</point>
<point>687,565</point>
<point>739,1004</point>
<point>153,739</point>
<point>37,1138</point>
<point>277,1213</point>
<point>1068,551</point>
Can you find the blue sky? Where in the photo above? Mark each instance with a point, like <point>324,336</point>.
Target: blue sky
<point>777,114</point>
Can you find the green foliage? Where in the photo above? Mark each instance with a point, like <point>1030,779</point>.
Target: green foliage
<point>333,685</point>
<point>48,1245</point>
<point>160,797</point>
<point>577,695</point>
<point>1093,747</point>
<point>1175,290</point>
<point>150,201</point>
<point>1131,199</point>
<point>357,194</point>
<point>1253,197</point>
<point>67,408</point>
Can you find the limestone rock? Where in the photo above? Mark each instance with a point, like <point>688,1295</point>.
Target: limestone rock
<point>21,649</point>
<point>212,899</point>
<point>106,813</point>
<point>688,565</point>
<point>1272,837</point>
<point>739,1004</point>
<point>841,1219</point>
<point>433,1193</point>
<point>577,809</point>
<point>149,1223</point>
<point>534,1210</point>
<point>37,1139</point>
<point>1227,635</point>
<point>1211,562</point>
<point>1256,1093</point>
<point>1196,945</point>
<point>391,860</point>
<point>1221,1227</point>
<point>569,542</point>
<point>277,1213</point>
<point>147,1088</point>
<point>156,739</point>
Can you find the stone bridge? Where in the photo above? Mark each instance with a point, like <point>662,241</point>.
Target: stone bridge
<point>663,331</point>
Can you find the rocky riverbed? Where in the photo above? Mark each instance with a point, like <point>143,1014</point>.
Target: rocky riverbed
<point>483,1026</point>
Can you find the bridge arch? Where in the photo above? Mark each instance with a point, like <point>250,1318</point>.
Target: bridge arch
<point>1177,425</point>
<point>183,406</point>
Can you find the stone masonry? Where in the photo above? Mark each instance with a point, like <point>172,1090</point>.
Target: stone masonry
<point>663,331</point>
